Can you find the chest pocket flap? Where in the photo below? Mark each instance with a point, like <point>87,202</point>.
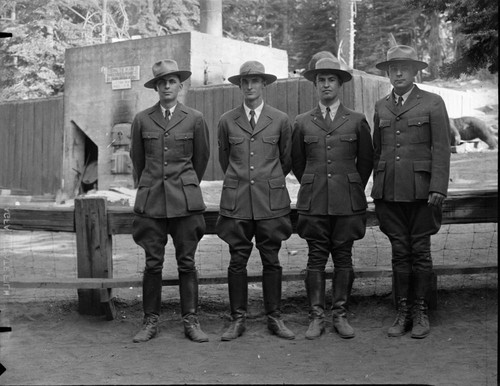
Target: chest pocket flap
<point>348,137</point>
<point>150,135</point>
<point>183,136</point>
<point>384,123</point>
<point>418,121</point>
<point>310,139</point>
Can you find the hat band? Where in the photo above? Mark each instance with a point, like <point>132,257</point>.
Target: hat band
<point>403,59</point>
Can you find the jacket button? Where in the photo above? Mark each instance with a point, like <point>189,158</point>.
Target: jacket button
<point>329,161</point>
<point>328,136</point>
<point>165,177</point>
<point>398,132</point>
<point>329,175</point>
<point>398,145</point>
<point>252,182</point>
<point>398,158</point>
<point>251,153</point>
<point>165,148</point>
<point>166,163</point>
<point>329,147</point>
<point>252,139</point>
<point>398,119</point>
<point>252,168</point>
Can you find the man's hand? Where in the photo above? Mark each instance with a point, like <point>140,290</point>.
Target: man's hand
<point>435,199</point>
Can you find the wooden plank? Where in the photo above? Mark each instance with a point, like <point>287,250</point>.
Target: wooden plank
<point>37,178</point>
<point>93,250</point>
<point>460,207</point>
<point>216,278</point>
<point>51,219</point>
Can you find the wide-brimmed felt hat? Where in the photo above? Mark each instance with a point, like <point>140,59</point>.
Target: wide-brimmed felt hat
<point>164,68</point>
<point>398,54</point>
<point>317,56</point>
<point>328,66</point>
<point>252,68</point>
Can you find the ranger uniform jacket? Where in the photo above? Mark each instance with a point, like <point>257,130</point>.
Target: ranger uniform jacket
<point>333,164</point>
<point>255,164</point>
<point>412,147</point>
<point>169,160</point>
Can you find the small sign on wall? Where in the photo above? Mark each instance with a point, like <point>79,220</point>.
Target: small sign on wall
<point>120,73</point>
<point>121,84</point>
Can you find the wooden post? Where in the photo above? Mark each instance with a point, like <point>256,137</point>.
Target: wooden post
<point>94,254</point>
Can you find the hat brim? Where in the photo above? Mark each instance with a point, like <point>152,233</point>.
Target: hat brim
<point>384,66</point>
<point>343,75</point>
<point>183,75</point>
<point>235,79</point>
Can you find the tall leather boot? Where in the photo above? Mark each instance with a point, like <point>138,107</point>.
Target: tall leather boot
<point>188,288</point>
<point>403,322</point>
<point>315,288</point>
<point>421,284</point>
<point>271,288</point>
<point>238,299</point>
<point>151,303</point>
<point>342,285</point>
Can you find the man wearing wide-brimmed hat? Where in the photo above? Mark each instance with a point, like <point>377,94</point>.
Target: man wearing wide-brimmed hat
<point>254,154</point>
<point>411,173</point>
<point>332,157</point>
<point>169,151</point>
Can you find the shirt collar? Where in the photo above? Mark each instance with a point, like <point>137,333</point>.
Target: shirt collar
<point>333,108</point>
<point>172,109</point>
<point>405,95</point>
<point>257,110</point>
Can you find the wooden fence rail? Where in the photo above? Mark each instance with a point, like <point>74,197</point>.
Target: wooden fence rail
<point>95,223</point>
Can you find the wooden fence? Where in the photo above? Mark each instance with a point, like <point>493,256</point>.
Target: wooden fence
<point>95,224</point>
<point>31,145</point>
<point>32,131</point>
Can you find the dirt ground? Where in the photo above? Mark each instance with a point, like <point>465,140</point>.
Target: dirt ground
<point>51,343</point>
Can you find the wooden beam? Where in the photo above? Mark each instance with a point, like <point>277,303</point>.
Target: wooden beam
<point>460,207</point>
<point>216,278</point>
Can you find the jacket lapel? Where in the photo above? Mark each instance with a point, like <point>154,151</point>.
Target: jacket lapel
<point>412,101</point>
<point>240,118</point>
<point>265,119</point>
<point>341,117</point>
<point>157,116</point>
<point>318,120</point>
<point>178,116</point>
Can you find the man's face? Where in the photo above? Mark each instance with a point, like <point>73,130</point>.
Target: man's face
<point>168,89</point>
<point>328,87</point>
<point>402,76</point>
<point>252,88</point>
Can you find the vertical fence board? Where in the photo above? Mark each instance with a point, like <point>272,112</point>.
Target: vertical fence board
<point>93,250</point>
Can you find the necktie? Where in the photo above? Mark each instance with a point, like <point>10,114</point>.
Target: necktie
<point>252,119</point>
<point>167,115</point>
<point>400,101</point>
<point>328,119</point>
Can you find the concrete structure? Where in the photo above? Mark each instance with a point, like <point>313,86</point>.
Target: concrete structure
<point>104,89</point>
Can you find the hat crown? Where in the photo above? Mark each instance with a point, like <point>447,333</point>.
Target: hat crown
<point>327,64</point>
<point>252,67</point>
<point>165,67</point>
<point>402,53</point>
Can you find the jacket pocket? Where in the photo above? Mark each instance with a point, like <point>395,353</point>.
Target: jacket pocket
<point>184,143</point>
<point>349,143</point>
<point>422,173</point>
<point>236,148</point>
<point>357,193</point>
<point>385,130</point>
<point>312,142</point>
<point>378,181</point>
<point>278,194</point>
<point>271,146</point>
<point>305,192</point>
<point>419,129</point>
<point>228,195</point>
<point>151,140</point>
<point>141,197</point>
<point>192,192</point>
